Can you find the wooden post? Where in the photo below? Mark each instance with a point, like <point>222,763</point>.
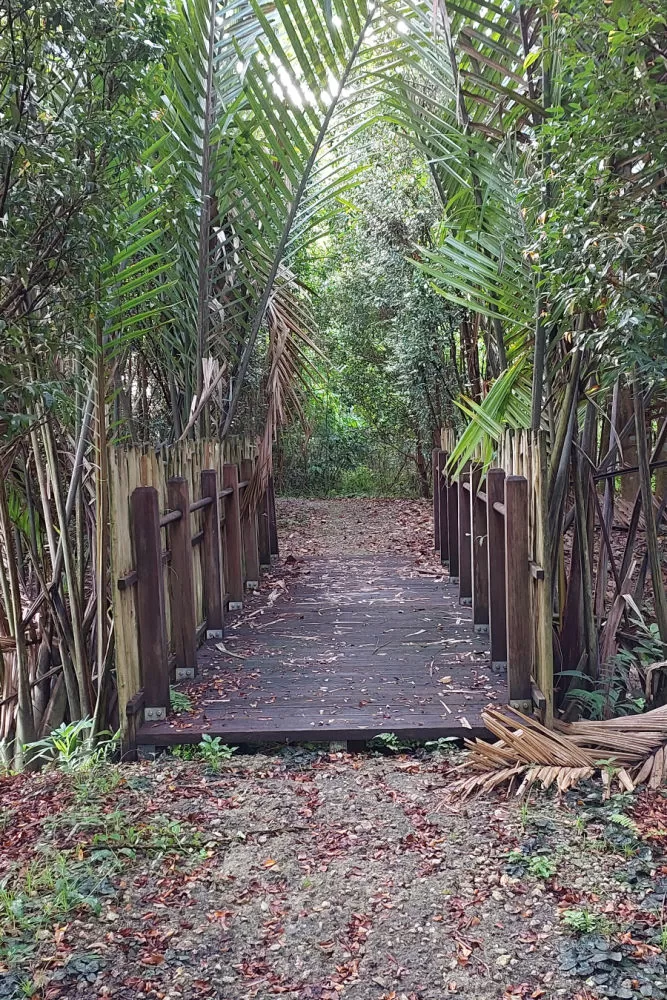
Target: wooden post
<point>249,531</point>
<point>517,589</point>
<point>212,561</point>
<point>435,454</point>
<point>443,512</point>
<point>543,665</point>
<point>495,531</point>
<point>263,531</point>
<point>233,557</point>
<point>479,555</point>
<point>150,602</point>
<point>453,529</point>
<point>465,565</point>
<point>181,581</point>
<point>273,522</point>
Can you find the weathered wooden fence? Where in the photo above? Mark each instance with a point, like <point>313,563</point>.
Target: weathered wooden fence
<point>490,529</point>
<point>185,546</point>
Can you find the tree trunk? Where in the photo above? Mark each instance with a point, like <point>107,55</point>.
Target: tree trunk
<point>652,548</point>
<point>629,483</point>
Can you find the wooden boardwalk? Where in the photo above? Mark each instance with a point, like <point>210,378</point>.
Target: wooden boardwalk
<point>353,647</point>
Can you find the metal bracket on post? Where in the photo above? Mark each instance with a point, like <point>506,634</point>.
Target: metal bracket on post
<point>155,714</point>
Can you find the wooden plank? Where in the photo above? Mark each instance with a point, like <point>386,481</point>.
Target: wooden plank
<point>453,529</point>
<point>435,456</point>
<point>479,554</point>
<point>181,580</point>
<point>128,669</point>
<point>447,439</point>
<point>232,537</point>
<point>495,521</point>
<point>249,532</point>
<point>443,513</point>
<point>428,728</point>
<point>211,549</point>
<point>465,563</point>
<point>150,601</point>
<point>517,589</point>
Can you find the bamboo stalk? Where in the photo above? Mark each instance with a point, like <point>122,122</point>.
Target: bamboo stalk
<point>649,515</point>
<point>606,516</point>
<point>25,723</point>
<point>590,631</point>
<point>80,658</point>
<point>101,507</point>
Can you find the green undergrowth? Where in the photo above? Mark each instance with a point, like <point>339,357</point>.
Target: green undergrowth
<point>81,857</point>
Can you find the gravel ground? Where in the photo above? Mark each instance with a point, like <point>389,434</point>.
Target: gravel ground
<point>319,875</point>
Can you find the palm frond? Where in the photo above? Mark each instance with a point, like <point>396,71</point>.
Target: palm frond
<point>630,750</point>
<point>506,405</point>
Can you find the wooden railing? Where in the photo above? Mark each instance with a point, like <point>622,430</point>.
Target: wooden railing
<point>190,558</point>
<point>490,533</point>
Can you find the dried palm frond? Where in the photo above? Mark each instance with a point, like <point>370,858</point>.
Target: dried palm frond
<point>292,348</point>
<point>631,750</point>
<point>212,373</point>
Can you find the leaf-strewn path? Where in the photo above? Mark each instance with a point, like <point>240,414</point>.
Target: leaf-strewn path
<point>356,631</point>
<point>318,876</point>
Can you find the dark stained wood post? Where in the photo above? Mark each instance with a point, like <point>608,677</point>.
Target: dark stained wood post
<point>181,581</point>
<point>233,548</point>
<point>479,552</point>
<point>453,529</point>
<point>273,521</point>
<point>517,589</point>
<point>495,528</point>
<point>249,531</point>
<point>435,455</point>
<point>465,564</point>
<point>263,530</point>
<point>443,513</point>
<point>212,558</point>
<point>150,602</point>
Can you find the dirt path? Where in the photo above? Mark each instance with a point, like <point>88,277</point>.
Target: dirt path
<point>357,526</point>
<point>318,876</point>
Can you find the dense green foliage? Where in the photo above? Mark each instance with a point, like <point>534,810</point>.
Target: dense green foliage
<point>604,242</point>
<point>390,340</point>
<point>76,104</point>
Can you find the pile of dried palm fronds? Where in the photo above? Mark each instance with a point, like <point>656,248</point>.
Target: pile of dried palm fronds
<point>630,751</point>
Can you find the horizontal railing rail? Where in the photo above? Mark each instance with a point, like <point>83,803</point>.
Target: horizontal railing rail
<point>234,540</point>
